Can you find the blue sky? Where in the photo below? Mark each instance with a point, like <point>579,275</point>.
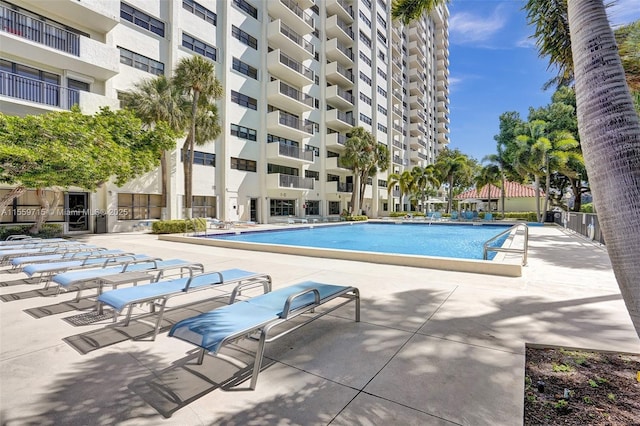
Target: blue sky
<point>494,68</point>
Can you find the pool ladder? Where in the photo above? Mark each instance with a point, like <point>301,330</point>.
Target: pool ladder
<point>514,228</point>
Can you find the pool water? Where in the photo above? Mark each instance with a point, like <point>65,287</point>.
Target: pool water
<point>457,241</point>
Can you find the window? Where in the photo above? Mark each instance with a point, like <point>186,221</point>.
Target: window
<point>200,11</point>
<point>312,208</point>
<point>243,132</point>
<point>364,98</point>
<point>382,128</point>
<point>382,183</point>
<point>312,174</point>
<point>364,78</point>
<point>365,119</point>
<point>382,38</point>
<point>203,206</point>
<point>243,5</point>
<point>366,40</point>
<point>283,170</point>
<point>382,4</point>
<point>30,84</point>
<point>201,158</point>
<point>334,207</point>
<point>382,55</point>
<point>382,110</point>
<point>282,207</point>
<point>140,62</point>
<point>245,68</point>
<point>139,206</point>
<point>199,47</point>
<point>244,100</point>
<point>242,164</point>
<point>364,18</point>
<point>381,21</point>
<point>365,58</point>
<point>381,73</point>
<point>367,3</point>
<point>282,141</point>
<point>314,149</point>
<point>141,19</point>
<point>382,91</point>
<point>244,37</point>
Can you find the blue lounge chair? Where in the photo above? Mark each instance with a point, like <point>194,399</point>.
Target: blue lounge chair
<point>6,255</point>
<point>22,261</point>
<point>155,267</point>
<point>46,270</point>
<point>488,216</point>
<point>213,330</point>
<point>25,239</point>
<point>159,293</point>
<point>454,215</point>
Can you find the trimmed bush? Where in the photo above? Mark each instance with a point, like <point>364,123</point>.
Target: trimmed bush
<point>403,214</point>
<point>357,218</point>
<point>527,216</point>
<point>178,226</point>
<point>586,208</point>
<point>47,230</point>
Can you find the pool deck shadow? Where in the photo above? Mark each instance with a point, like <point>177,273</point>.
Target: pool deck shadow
<point>433,347</point>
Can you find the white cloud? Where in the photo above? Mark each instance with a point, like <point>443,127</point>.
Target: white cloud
<point>526,43</point>
<point>465,27</point>
<point>622,12</point>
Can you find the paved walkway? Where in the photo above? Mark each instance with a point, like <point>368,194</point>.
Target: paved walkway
<point>433,347</point>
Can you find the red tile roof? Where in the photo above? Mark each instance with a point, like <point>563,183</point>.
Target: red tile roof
<point>512,190</point>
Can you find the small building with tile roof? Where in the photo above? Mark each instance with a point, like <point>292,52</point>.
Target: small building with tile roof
<point>518,198</point>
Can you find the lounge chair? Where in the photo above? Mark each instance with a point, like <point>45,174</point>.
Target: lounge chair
<point>25,239</point>
<point>22,261</point>
<point>155,268</point>
<point>7,255</point>
<point>211,331</point>
<point>159,293</point>
<point>488,216</point>
<point>454,215</point>
<point>46,270</point>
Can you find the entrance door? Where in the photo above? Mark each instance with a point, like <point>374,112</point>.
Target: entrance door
<point>77,211</point>
<point>253,210</point>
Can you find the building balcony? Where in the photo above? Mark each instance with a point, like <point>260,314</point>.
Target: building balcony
<point>397,127</point>
<point>416,102</point>
<point>341,9</point>
<point>417,116</point>
<point>281,36</point>
<point>336,28</point>
<point>442,74</point>
<point>417,130</point>
<point>338,74</point>
<point>339,187</point>
<point>296,18</point>
<point>397,110</point>
<point>26,96</point>
<point>281,65</point>
<point>282,181</point>
<point>288,155</point>
<point>443,127</point>
<point>339,120</point>
<point>306,4</point>
<point>443,117</point>
<point>417,48</point>
<point>337,51</point>
<point>287,97</point>
<point>288,126</point>
<point>443,138</point>
<point>417,62</point>
<point>396,81</point>
<point>336,141</point>
<point>333,165</point>
<point>22,36</point>
<point>103,15</point>
<point>337,97</point>
<point>443,107</point>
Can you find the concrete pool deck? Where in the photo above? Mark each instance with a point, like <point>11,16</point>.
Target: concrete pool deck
<point>433,347</point>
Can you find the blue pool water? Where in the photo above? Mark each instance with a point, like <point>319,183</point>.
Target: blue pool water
<point>457,241</point>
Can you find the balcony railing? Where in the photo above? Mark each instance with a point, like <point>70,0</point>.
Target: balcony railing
<point>398,144</point>
<point>290,181</point>
<point>344,49</point>
<point>344,187</point>
<point>342,116</point>
<point>345,95</point>
<point>346,28</point>
<point>294,122</point>
<point>301,13</point>
<point>38,91</point>
<point>296,66</point>
<point>296,94</point>
<point>342,139</point>
<point>345,72</point>
<point>347,7</point>
<point>296,38</point>
<point>397,160</point>
<point>295,152</point>
<point>38,31</point>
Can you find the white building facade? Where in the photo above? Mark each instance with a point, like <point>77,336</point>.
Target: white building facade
<point>297,75</point>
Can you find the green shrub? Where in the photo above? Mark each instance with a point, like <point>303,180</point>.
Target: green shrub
<point>527,216</point>
<point>178,226</point>
<point>586,208</point>
<point>47,230</point>
<point>357,218</point>
<point>403,214</point>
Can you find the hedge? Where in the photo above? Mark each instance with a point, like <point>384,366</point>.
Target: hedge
<point>178,226</point>
<point>356,218</point>
<point>47,230</point>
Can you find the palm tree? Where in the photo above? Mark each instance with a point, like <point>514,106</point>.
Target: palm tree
<point>365,157</point>
<point>450,168</point>
<point>608,124</point>
<point>425,183</point>
<point>154,100</point>
<point>530,156</point>
<point>195,77</point>
<point>405,181</point>
<point>563,152</point>
<point>488,175</point>
<point>498,161</point>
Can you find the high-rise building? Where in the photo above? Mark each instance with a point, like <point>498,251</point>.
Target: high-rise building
<point>297,75</point>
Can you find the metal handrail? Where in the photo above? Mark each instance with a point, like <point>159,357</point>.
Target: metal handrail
<point>523,250</point>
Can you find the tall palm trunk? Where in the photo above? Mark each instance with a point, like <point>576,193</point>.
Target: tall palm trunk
<point>503,193</point>
<point>188,166</point>
<point>536,183</point>
<point>610,137</point>
<point>164,176</point>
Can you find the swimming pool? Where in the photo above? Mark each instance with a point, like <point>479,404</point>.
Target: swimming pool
<point>505,264</point>
<point>457,241</point>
